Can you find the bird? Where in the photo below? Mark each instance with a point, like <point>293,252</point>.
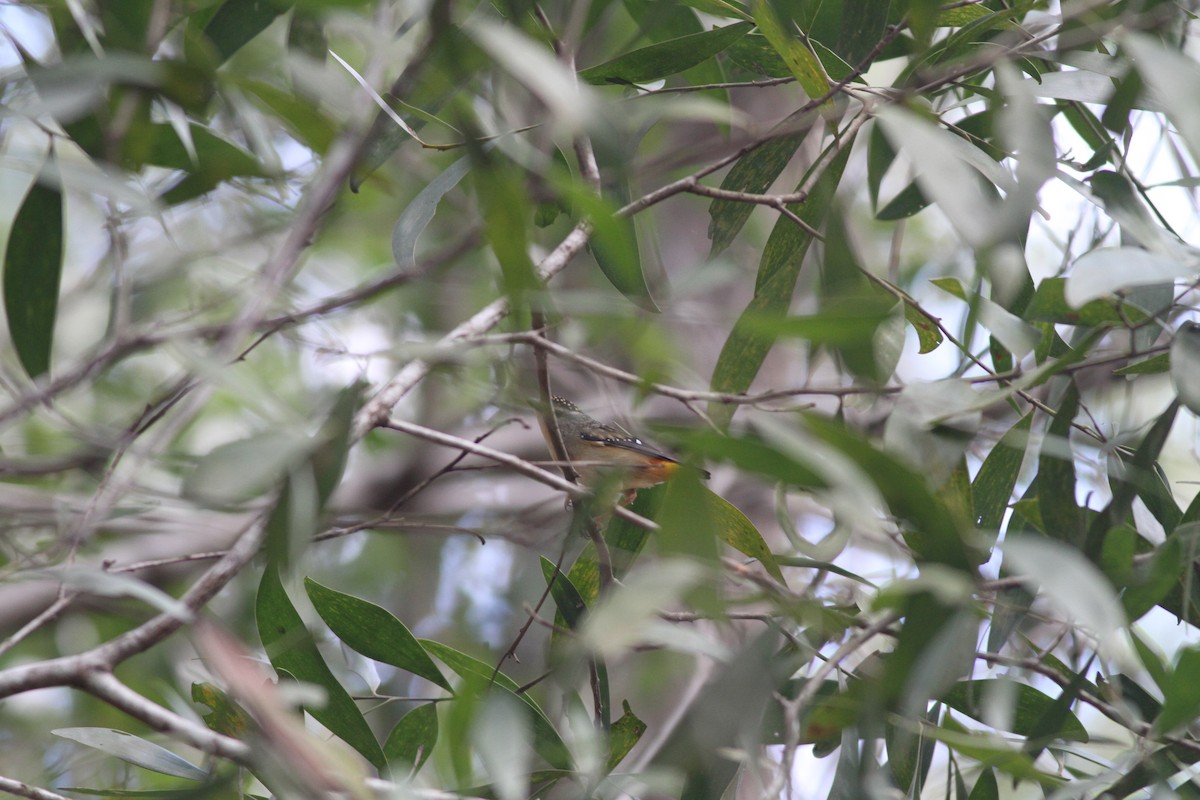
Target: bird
<point>601,453</point>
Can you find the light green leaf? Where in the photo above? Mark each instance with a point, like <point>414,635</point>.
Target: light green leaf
<point>135,750</point>
<point>419,213</point>
<point>1076,587</point>
<point>241,470</point>
<point>1105,270</point>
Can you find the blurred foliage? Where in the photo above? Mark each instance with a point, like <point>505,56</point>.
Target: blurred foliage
<point>933,339</point>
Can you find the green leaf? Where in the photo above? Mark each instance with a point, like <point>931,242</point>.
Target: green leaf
<point>1154,365</point>
<point>754,52</point>
<point>224,715</point>
<point>744,350</point>
<point>957,17</point>
<point>507,215</point>
<point>1026,705</point>
<point>546,739</point>
<point>736,530</point>
<point>909,201</point>
<point>993,485</point>
<point>753,173</point>
<point>659,60</point>
<point>313,129</point>
<point>566,597</point>
<point>615,246</point>
<point>625,541</point>
<point>985,787</point>
<point>935,535</point>
<point>624,734</point>
<point>134,750</point>
<point>247,468</point>
<point>1049,304</point>
<point>419,213</point>
<point>373,631</point>
<point>1181,693</point>
<point>290,648</point>
<point>801,61</point>
<point>238,21</point>
<point>412,741</point>
<point>1185,365</point>
<point>929,336</point>
<point>1056,474</point>
<point>33,270</point>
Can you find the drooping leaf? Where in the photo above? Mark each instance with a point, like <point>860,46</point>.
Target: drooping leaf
<point>615,246</point>
<point>993,485</point>
<point>659,60</point>
<point>744,350</point>
<point>290,648</point>
<point>32,272</point>
<point>753,173</point>
<point>419,213</point>
<point>373,631</point>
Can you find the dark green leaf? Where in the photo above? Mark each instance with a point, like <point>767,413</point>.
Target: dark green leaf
<point>736,530</point>
<point>411,742</point>
<point>908,202</point>
<point>238,21</point>
<point>1154,365</point>
<point>1181,693</point>
<point>1056,474</point>
<point>290,647</point>
<point>615,246</point>
<point>373,631</point>
<point>33,270</point>
<point>936,534</point>
<point>985,787</point>
<point>665,58</point>
<point>744,351</point>
<point>1050,305</point>
<point>993,484</point>
<point>753,173</point>
<point>566,597</point>
<point>1028,706</point>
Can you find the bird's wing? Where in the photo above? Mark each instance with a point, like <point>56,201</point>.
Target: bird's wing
<point>609,436</point>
